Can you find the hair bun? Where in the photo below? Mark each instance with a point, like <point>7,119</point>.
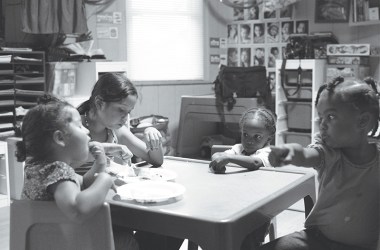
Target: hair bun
<point>47,98</point>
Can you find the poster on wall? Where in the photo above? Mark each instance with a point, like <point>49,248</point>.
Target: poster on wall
<point>109,17</point>
<point>214,42</point>
<point>107,32</point>
<point>106,17</point>
<point>214,59</point>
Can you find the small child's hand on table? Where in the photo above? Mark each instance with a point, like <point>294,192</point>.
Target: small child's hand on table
<point>280,156</point>
<point>218,163</point>
<point>152,138</point>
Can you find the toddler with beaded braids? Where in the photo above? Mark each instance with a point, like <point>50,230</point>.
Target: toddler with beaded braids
<point>258,127</point>
<point>346,213</point>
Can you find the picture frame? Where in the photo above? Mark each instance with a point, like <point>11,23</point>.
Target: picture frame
<point>335,11</point>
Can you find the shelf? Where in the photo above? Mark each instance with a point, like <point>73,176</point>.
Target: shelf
<point>364,9</point>
<point>364,23</point>
<point>22,81</point>
<point>296,115</point>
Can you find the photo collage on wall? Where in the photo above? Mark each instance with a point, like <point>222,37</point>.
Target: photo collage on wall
<point>258,36</point>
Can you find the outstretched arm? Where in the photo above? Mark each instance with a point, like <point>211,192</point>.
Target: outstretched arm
<point>295,154</point>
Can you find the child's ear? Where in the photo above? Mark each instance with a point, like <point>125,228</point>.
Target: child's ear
<point>58,137</point>
<point>364,120</point>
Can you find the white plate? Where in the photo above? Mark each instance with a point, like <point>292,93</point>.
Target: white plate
<point>156,174</point>
<point>128,174</point>
<point>150,191</point>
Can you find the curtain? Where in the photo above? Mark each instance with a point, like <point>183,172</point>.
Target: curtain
<point>54,16</point>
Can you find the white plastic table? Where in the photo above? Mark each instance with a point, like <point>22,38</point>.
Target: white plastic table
<point>217,211</point>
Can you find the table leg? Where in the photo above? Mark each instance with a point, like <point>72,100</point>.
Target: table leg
<point>309,203</point>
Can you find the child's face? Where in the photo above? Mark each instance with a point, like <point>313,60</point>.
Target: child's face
<point>338,122</point>
<point>114,115</point>
<point>254,134</point>
<point>258,31</point>
<point>77,138</point>
<point>301,28</point>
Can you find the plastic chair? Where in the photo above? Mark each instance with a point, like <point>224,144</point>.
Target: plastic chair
<point>41,225</point>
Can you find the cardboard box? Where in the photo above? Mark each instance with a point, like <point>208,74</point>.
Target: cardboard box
<point>348,50</point>
<point>348,60</point>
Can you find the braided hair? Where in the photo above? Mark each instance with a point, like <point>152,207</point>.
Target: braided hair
<point>264,114</point>
<point>38,126</point>
<point>365,97</point>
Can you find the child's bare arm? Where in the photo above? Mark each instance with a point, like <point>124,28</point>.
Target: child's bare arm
<point>295,154</point>
<point>99,166</point>
<point>220,159</point>
<point>79,205</point>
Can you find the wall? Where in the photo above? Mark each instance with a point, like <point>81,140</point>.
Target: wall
<point>168,100</point>
<point>343,31</point>
<point>163,98</point>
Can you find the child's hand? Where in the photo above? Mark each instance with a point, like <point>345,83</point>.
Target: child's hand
<point>280,156</point>
<point>97,151</point>
<point>152,138</point>
<point>118,150</point>
<point>218,163</point>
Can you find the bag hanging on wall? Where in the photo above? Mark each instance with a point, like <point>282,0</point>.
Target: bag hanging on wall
<point>243,82</point>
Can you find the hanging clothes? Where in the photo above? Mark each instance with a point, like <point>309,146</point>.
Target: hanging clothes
<point>54,16</point>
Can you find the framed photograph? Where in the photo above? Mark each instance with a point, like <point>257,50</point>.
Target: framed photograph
<point>332,11</point>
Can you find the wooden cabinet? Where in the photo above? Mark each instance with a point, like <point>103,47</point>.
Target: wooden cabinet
<point>22,81</point>
<point>296,114</point>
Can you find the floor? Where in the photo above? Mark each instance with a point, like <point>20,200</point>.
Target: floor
<point>287,222</point>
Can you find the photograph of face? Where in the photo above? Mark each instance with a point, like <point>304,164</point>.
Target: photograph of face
<point>258,33</point>
<point>232,33</point>
<point>272,80</point>
<point>273,35</point>
<point>259,57</point>
<point>286,30</point>
<point>245,33</point>
<point>252,13</point>
<point>245,57</point>
<point>302,27</point>
<point>238,14</point>
<point>233,57</point>
<point>274,54</point>
<point>269,13</point>
<point>286,12</point>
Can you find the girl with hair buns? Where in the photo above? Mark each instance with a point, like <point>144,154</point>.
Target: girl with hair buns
<point>53,138</point>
